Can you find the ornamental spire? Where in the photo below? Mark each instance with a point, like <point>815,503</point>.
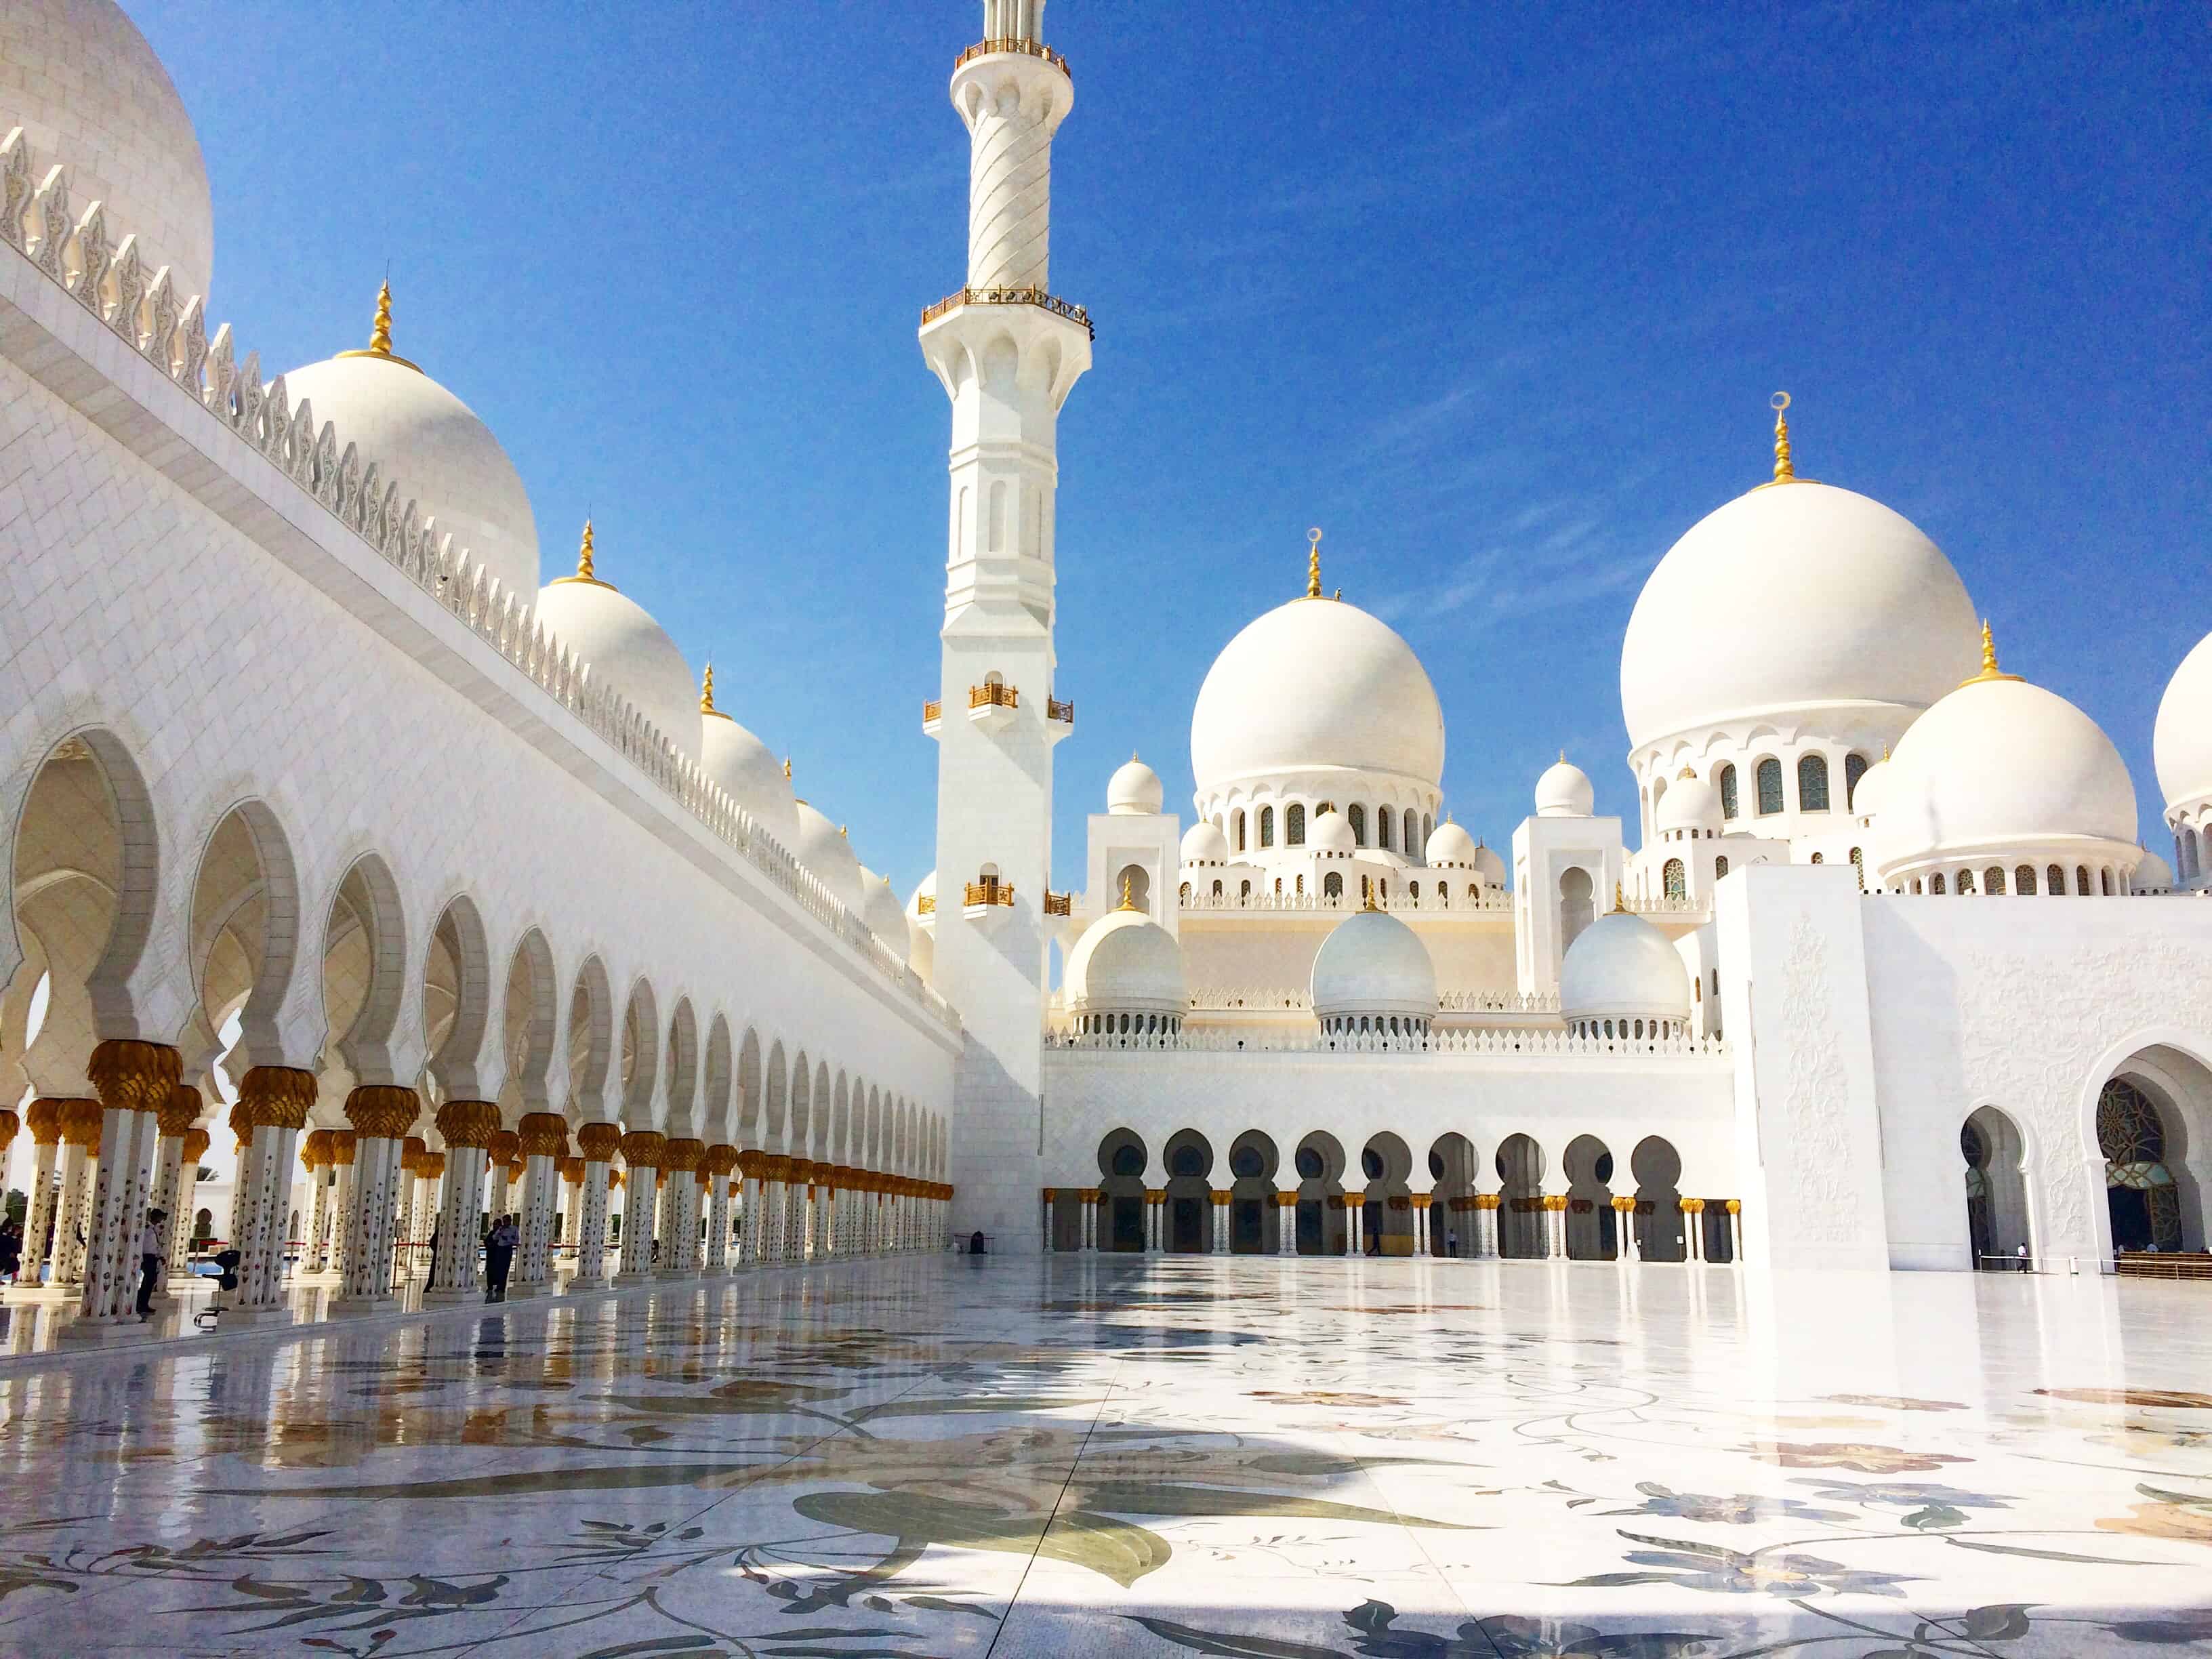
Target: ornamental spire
<point>707,691</point>
<point>1128,902</point>
<point>1783,471</point>
<point>1619,899</point>
<point>1989,669</point>
<point>379,332</point>
<point>1313,563</point>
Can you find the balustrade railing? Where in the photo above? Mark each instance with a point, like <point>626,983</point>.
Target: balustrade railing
<point>169,331</point>
<point>1059,904</point>
<point>994,694</point>
<point>1056,710</point>
<point>1010,43</point>
<point>990,890</point>
<point>933,709</point>
<point>1510,1042</point>
<point>1010,296</point>
<point>1489,901</point>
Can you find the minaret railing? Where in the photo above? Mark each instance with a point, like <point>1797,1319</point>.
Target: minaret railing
<point>1027,48</point>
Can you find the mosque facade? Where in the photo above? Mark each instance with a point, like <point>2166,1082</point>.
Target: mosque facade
<point>680,1028</point>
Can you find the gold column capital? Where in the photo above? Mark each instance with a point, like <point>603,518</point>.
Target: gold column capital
<point>344,1145</point>
<point>315,1149</point>
<point>473,1123</point>
<point>8,1124</point>
<point>132,1076</point>
<point>197,1142</point>
<point>180,1112</point>
<point>683,1155</point>
<point>82,1122</point>
<point>644,1146</point>
<point>721,1158</point>
<point>383,1111</point>
<point>276,1096</point>
<point>542,1135</point>
<point>569,1168</point>
<point>505,1147</point>
<point>598,1142</point>
<point>43,1117</point>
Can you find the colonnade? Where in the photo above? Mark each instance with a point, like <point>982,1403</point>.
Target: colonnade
<point>104,1163</point>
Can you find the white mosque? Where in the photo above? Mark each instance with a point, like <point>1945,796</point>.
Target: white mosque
<point>1324,1016</point>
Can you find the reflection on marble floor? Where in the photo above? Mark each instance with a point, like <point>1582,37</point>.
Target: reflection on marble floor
<point>1167,1456</point>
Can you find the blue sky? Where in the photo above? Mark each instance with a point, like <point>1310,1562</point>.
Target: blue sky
<point>1498,299</point>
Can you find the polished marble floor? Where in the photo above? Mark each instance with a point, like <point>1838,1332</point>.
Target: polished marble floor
<point>1239,1456</point>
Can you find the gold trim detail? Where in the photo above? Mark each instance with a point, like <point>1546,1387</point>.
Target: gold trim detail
<point>1989,669</point>
<point>584,567</point>
<point>379,333</point>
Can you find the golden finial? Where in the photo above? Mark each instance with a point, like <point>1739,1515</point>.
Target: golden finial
<point>1989,669</point>
<point>707,691</point>
<point>1885,752</point>
<point>1563,758</point>
<point>841,831</point>
<point>1784,472</point>
<point>1313,563</point>
<point>584,570</point>
<point>379,333</point>
<point>787,768</point>
<point>1685,774</point>
<point>1128,903</point>
<point>1619,899</point>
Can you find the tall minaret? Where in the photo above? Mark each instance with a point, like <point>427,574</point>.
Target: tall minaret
<point>1007,352</point>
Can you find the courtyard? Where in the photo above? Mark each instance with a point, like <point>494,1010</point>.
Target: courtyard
<point>1259,1457</point>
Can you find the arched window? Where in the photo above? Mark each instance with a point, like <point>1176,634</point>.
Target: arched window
<point>1473,891</point>
<point>1415,890</point>
<point>1294,826</point>
<point>1356,815</point>
<point>1965,881</point>
<point>2108,880</point>
<point>1820,858</point>
<point>1934,883</point>
<point>1428,828</point>
<point>1217,889</point>
<point>1444,894</point>
<point>1915,883</point>
<point>1302,884</point>
<point>1993,880</point>
<point>1728,792</point>
<point>2139,1189</point>
<point>1185,892</point>
<point>1677,885</point>
<point>1720,868</point>
<point>1855,768</point>
<point>1383,828</point>
<point>1332,885</point>
<point>1858,865</point>
<point>2082,888</point>
<point>1812,783</point>
<point>1278,887</point>
<point>1267,826</point>
<point>1770,786</point>
<point>1239,821</point>
<point>1244,890</point>
<point>2023,881</point>
<point>2056,873</point>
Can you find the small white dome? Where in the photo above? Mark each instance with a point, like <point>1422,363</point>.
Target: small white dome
<point>1564,792</point>
<point>89,93</point>
<point>823,848</point>
<point>1450,846</point>
<point>741,763</point>
<point>2000,763</point>
<point>880,909</point>
<point>1866,799</point>
<point>1134,788</point>
<point>1314,684</point>
<point>1373,963</point>
<point>435,448</point>
<point>1622,967</point>
<point>1794,596</point>
<point>2181,741</point>
<point>625,648</point>
<point>1492,865</point>
<point>1126,962</point>
<point>1690,803</point>
<point>2153,874</point>
<point>1203,843</point>
<point>925,889</point>
<point>1331,833</point>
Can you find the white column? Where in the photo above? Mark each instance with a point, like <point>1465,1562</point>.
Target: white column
<point>135,1080</point>
<point>345,1149</point>
<point>275,1100</point>
<point>318,1187</point>
<point>541,1137</point>
<point>193,1147</point>
<point>642,1152</point>
<point>718,1220</point>
<point>174,1126</point>
<point>468,1126</point>
<point>38,1216</point>
<point>572,1208</point>
<point>1286,1225</point>
<point>80,1132</point>
<point>597,1142</point>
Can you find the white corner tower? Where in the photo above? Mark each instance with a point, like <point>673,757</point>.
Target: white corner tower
<point>1007,352</point>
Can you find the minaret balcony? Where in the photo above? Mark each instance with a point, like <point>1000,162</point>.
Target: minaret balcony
<point>932,713</point>
<point>1027,48</point>
<point>988,899</point>
<point>993,704</point>
<point>1060,904</point>
<point>1010,296</point>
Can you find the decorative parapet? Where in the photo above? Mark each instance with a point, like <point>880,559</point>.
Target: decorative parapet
<point>925,905</point>
<point>1028,48</point>
<point>1056,710</point>
<point>1059,904</point>
<point>994,694</point>
<point>1492,900</point>
<point>1299,999</point>
<point>1010,296</point>
<point>932,711</point>
<point>1509,1043</point>
<point>169,331</point>
<point>990,890</point>
<point>1498,1002</point>
<point>1663,906</point>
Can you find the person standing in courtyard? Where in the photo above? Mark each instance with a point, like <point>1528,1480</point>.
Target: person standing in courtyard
<point>499,1256</point>
<point>149,1260</point>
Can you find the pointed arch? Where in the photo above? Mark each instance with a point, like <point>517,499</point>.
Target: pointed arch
<point>591,1040</point>
<point>528,1019</point>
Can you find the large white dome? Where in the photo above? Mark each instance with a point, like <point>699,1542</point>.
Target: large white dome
<point>1797,596</point>
<point>2181,742</point>
<point>1622,967</point>
<point>435,448</point>
<point>742,764</point>
<point>1999,764</point>
<point>88,93</point>
<point>823,848</point>
<point>1128,963</point>
<point>1373,963</point>
<point>881,910</point>
<point>1315,684</point>
<point>625,647</point>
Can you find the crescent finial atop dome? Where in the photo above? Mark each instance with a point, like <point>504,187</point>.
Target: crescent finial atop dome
<point>1313,563</point>
<point>1783,471</point>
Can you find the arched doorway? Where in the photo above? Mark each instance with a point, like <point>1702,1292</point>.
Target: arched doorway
<point>1121,1161</point>
<point>1592,1227</point>
<point>1386,1221</point>
<point>1521,1199</point>
<point>1997,1197</point>
<point>1451,1195</point>
<point>1190,1160</point>
<point>1319,1164</point>
<point>1576,904</point>
<point>2139,1192</point>
<point>1657,1168</point>
<point>1254,1219</point>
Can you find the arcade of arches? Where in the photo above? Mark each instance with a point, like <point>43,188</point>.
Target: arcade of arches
<point>1191,1198</point>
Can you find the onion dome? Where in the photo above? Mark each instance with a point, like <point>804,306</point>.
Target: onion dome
<point>433,446</point>
<point>821,847</point>
<point>1794,598</point>
<point>1620,968</point>
<point>1125,964</point>
<point>1564,790</point>
<point>2181,742</point>
<point>2153,874</point>
<point>1313,685</point>
<point>1492,866</point>
<point>1450,846</point>
<point>89,93</point>
<point>2001,767</point>
<point>1134,788</point>
<point>1371,964</point>
<point>625,647</point>
<point>880,909</point>
<point>1203,843</point>
<point>734,758</point>
<point>1691,805</point>
<point>1330,834</point>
